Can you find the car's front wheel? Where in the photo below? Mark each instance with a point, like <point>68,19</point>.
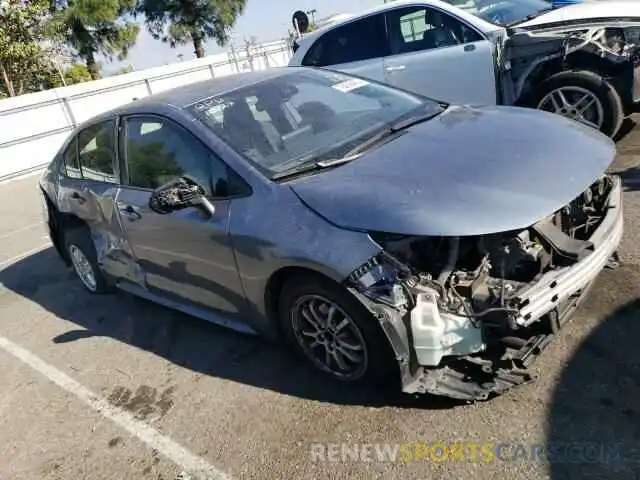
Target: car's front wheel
<point>332,330</point>
<point>82,254</point>
<point>582,96</point>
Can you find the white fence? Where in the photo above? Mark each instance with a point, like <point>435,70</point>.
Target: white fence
<point>33,126</point>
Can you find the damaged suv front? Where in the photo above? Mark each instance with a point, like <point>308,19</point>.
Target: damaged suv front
<point>467,315</point>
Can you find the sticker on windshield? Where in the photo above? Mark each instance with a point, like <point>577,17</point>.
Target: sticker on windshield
<point>208,103</point>
<point>349,85</point>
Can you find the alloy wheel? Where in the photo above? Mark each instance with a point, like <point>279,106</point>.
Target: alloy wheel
<point>329,337</point>
<point>83,268</point>
<point>576,103</point>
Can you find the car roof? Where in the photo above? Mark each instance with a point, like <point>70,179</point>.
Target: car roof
<point>183,96</point>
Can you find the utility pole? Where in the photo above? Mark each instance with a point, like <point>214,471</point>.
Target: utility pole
<point>312,12</point>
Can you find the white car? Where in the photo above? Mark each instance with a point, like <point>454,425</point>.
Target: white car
<point>580,61</point>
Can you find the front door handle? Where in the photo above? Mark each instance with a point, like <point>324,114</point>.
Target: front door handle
<point>469,48</point>
<point>395,68</point>
<point>130,212</point>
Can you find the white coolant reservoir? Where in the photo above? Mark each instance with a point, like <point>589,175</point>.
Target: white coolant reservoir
<point>436,335</point>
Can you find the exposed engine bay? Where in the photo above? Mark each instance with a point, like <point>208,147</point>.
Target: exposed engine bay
<point>477,288</point>
<point>481,276</point>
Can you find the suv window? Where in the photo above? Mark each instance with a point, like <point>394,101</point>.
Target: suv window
<point>414,29</point>
<point>158,151</point>
<point>359,40</point>
<point>96,152</point>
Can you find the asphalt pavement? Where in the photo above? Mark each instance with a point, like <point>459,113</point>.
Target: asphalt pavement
<point>113,387</point>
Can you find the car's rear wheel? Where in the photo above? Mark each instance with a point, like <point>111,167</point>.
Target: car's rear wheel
<point>332,330</point>
<point>82,255</point>
<point>582,96</point>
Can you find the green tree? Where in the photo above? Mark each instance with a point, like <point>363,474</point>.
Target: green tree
<point>97,27</point>
<point>23,61</point>
<point>76,73</point>
<point>184,21</point>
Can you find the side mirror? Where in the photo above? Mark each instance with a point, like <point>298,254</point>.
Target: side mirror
<point>179,194</point>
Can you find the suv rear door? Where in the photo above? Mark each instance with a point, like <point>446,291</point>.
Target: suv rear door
<point>356,47</point>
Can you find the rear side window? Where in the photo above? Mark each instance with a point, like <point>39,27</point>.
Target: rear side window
<point>96,151</point>
<point>71,166</point>
<point>91,154</point>
<point>362,39</point>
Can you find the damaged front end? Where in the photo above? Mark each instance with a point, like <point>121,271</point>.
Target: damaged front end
<point>466,316</point>
<point>526,56</point>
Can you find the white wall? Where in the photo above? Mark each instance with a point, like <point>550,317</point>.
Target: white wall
<point>33,126</point>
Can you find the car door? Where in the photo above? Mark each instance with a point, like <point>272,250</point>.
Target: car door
<point>357,47</point>
<point>88,172</point>
<point>439,56</point>
<point>89,183</point>
<point>185,256</point>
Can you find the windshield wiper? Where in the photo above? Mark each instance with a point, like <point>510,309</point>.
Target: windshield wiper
<point>383,135</point>
<point>393,129</point>
<point>414,120</point>
<point>311,166</point>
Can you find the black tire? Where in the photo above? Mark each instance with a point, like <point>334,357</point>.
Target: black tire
<point>80,238</point>
<point>380,362</point>
<point>612,109</point>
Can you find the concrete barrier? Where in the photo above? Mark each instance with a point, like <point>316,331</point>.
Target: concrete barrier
<point>33,126</point>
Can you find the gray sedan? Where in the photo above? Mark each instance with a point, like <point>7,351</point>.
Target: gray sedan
<point>382,234</point>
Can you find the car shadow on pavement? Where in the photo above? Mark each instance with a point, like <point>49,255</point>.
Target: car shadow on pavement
<point>630,178</point>
<point>625,129</point>
<point>185,341</point>
<point>593,426</point>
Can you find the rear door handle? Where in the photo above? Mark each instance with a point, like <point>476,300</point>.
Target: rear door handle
<point>78,197</point>
<point>130,212</point>
<point>395,68</point>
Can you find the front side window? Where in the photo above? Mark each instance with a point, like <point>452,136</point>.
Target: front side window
<point>356,41</point>
<point>304,116</point>
<point>96,152</point>
<point>159,151</point>
<point>414,29</point>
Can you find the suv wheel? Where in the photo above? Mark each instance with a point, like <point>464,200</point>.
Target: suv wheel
<point>582,96</point>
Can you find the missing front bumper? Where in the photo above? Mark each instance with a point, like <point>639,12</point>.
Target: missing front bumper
<point>549,304</point>
<point>482,377</point>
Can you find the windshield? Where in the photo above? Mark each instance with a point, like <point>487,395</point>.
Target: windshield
<point>503,12</point>
<point>304,116</point>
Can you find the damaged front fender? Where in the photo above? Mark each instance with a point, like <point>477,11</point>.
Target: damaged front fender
<point>607,47</point>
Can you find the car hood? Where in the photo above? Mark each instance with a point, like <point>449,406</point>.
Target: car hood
<point>468,171</point>
<point>592,11</point>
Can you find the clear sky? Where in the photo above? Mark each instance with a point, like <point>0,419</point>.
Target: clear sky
<point>264,19</point>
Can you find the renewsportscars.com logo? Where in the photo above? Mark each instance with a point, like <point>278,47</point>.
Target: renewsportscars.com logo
<point>572,452</point>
